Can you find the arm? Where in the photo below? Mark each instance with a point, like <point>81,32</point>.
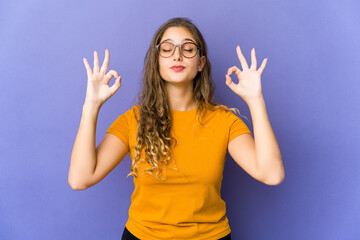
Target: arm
<point>260,158</point>
<point>83,156</point>
<point>88,164</point>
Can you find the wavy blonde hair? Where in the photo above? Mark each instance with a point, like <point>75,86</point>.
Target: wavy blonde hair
<point>155,116</point>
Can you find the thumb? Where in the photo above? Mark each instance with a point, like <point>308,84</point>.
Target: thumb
<point>229,82</point>
<point>116,85</point>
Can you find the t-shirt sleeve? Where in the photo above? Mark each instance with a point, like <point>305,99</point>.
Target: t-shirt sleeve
<point>236,126</point>
<point>120,127</point>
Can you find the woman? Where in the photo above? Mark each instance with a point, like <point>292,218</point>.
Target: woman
<point>177,137</point>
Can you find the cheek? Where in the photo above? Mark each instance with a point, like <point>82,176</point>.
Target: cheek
<point>196,65</point>
<point>161,67</point>
<point>197,62</point>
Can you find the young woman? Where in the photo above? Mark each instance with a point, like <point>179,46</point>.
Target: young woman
<point>177,137</point>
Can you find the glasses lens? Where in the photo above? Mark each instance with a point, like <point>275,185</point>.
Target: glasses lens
<point>189,50</point>
<point>165,49</point>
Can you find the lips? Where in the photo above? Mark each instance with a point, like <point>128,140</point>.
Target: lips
<point>177,68</point>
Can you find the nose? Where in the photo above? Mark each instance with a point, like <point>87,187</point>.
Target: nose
<point>177,53</point>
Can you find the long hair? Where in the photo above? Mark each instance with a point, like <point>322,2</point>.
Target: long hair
<point>155,116</point>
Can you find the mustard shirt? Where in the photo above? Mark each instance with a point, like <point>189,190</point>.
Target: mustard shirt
<point>188,204</point>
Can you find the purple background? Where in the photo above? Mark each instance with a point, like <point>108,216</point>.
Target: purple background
<point>310,84</point>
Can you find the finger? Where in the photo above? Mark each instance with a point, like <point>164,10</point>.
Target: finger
<point>96,61</point>
<point>262,67</point>
<point>253,60</point>
<point>242,59</point>
<point>110,74</point>
<point>87,66</point>
<point>234,69</point>
<point>115,86</point>
<point>229,82</point>
<point>105,64</point>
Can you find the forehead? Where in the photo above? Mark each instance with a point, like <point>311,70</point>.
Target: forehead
<point>177,34</point>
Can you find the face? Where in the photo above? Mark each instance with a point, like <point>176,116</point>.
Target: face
<point>192,66</point>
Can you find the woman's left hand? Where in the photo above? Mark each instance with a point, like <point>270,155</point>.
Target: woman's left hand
<point>249,86</point>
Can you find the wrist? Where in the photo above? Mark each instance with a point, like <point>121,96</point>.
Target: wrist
<point>91,108</point>
<point>255,100</point>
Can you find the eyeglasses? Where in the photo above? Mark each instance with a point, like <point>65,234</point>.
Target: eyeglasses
<point>187,49</point>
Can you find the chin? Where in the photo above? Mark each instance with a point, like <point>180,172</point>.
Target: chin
<point>177,81</point>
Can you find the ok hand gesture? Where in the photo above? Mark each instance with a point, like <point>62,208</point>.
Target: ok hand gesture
<point>98,90</point>
<point>249,86</point>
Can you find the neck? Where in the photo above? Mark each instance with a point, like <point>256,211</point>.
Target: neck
<point>181,97</point>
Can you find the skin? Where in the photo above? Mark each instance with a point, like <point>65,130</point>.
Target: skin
<point>180,84</point>
<point>260,158</point>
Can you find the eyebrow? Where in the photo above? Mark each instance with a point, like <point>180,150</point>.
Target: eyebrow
<point>185,39</point>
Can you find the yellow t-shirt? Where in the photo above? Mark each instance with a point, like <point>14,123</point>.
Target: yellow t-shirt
<point>188,204</point>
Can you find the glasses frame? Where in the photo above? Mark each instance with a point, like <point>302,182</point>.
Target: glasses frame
<point>177,45</point>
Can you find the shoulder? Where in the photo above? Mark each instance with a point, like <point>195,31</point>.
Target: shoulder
<point>133,112</point>
<point>231,116</point>
<point>222,111</point>
<point>130,113</point>
<point>135,107</point>
<point>222,114</point>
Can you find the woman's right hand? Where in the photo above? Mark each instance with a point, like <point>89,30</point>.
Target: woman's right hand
<point>98,90</point>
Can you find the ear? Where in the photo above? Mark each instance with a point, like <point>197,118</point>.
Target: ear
<point>202,63</point>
